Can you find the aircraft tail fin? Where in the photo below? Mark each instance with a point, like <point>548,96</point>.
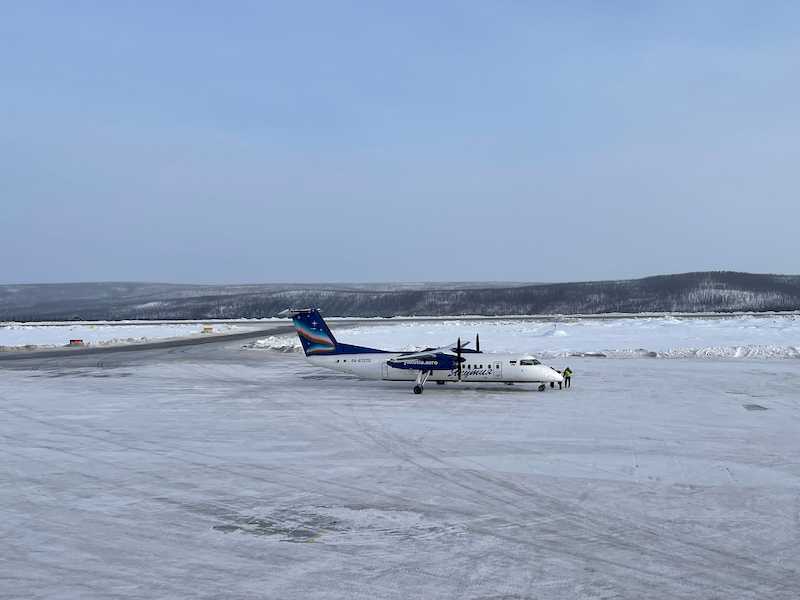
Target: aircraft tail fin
<point>317,338</point>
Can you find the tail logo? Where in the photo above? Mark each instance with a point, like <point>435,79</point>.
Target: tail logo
<point>315,341</point>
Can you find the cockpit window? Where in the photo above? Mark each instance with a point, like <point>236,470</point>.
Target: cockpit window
<point>529,362</point>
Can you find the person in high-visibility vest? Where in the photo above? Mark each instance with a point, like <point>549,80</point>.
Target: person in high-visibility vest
<point>567,377</point>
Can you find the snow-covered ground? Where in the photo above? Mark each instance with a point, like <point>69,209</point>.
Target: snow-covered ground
<point>18,335</point>
<point>735,337</point>
<point>214,472</point>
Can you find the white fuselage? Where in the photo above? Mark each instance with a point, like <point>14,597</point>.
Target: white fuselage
<point>477,367</point>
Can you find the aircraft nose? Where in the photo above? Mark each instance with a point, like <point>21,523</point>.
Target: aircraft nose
<point>548,374</point>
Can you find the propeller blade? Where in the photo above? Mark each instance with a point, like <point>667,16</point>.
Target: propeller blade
<point>458,358</point>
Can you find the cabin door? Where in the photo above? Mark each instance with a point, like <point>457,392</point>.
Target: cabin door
<point>497,369</point>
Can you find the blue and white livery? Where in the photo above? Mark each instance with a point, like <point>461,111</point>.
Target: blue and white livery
<point>451,363</point>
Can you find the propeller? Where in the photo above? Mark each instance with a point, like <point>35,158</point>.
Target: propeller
<point>458,358</point>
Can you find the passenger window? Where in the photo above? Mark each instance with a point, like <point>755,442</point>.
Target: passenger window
<point>480,367</point>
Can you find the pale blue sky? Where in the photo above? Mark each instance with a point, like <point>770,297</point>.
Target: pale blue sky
<point>377,141</point>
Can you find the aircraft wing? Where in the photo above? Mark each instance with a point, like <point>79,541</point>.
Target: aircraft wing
<point>429,355</point>
<point>432,353</point>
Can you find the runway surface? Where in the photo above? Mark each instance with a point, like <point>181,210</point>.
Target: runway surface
<point>212,471</point>
<point>74,352</point>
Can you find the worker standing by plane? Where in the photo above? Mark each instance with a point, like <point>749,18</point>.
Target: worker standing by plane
<point>567,374</point>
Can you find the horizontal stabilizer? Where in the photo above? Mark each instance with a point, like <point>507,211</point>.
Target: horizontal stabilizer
<point>291,312</point>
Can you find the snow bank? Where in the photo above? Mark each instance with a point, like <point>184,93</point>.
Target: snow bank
<point>278,343</point>
<point>658,337</point>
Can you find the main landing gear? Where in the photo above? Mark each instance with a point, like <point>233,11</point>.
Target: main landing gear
<point>421,379</point>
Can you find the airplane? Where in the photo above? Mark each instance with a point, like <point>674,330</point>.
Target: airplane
<point>451,363</point>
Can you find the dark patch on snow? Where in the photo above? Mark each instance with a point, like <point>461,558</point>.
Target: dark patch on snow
<point>325,377</point>
<point>284,525</point>
<point>754,407</point>
<point>83,373</point>
<point>104,375</point>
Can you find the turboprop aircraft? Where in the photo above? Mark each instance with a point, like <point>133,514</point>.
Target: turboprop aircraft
<point>451,363</point>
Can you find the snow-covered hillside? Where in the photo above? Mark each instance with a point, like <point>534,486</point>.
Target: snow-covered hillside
<point>688,292</point>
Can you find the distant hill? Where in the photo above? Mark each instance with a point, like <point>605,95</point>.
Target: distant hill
<point>722,291</point>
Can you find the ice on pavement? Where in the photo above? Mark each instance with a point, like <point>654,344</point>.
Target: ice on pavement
<point>724,337</point>
<point>215,472</point>
<point>17,335</point>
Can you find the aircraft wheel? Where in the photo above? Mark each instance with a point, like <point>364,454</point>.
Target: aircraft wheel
<point>542,387</point>
<point>417,389</point>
